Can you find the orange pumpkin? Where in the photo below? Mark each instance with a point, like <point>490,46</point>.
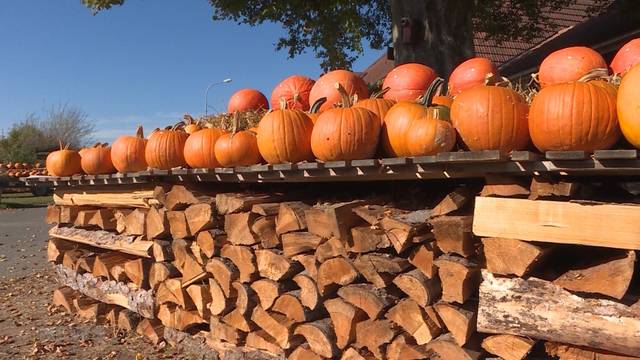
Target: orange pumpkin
<point>63,162</point>
<point>238,149</point>
<point>284,136</point>
<point>325,87</point>
<point>96,160</point>
<point>165,148</point>
<point>408,82</point>
<point>346,133</point>
<point>629,105</point>
<point>295,91</point>
<point>190,125</point>
<point>574,116</point>
<point>378,106</point>
<point>127,152</point>
<point>313,112</point>
<point>491,118</point>
<point>626,57</point>
<point>246,100</point>
<point>199,149</point>
<point>569,64</point>
<point>471,73</point>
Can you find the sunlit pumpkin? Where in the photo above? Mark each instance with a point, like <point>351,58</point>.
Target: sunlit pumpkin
<point>246,100</point>
<point>470,73</point>
<point>345,133</point>
<point>569,64</point>
<point>626,57</point>
<point>628,105</point>
<point>190,124</point>
<point>491,118</point>
<point>238,148</point>
<point>63,162</point>
<point>325,87</point>
<point>284,136</point>
<point>408,82</point>
<point>97,160</point>
<point>295,90</point>
<point>574,116</point>
<point>127,152</point>
<point>199,149</point>
<point>376,105</point>
<point>165,148</point>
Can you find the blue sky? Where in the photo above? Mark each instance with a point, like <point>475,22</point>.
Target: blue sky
<point>146,62</point>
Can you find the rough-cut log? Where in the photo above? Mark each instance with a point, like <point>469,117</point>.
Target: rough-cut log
<point>68,214</point>
<point>160,272</point>
<point>178,225</point>
<point>268,291</point>
<point>304,352</point>
<point>276,325</point>
<point>374,213</point>
<point>245,297</point>
<point>570,352</point>
<point>210,242</point>
<point>105,240</point>
<point>161,250</point>
<point>137,271</point>
<point>224,271</point>
<point>261,340</point>
<point>404,348</point>
<point>171,291</point>
<point>299,242</point>
<point>56,249</point>
<point>373,301</point>
<point>135,222</point>
<point>353,354</point>
<point>180,249</point>
<point>538,309</point>
<point>198,254</point>
<point>344,318</point>
<point>104,219</point>
<point>157,224</point>
<point>320,337</point>
<point>380,269</point>
<point>201,297</point>
<point>127,196</point>
<point>545,188</point>
<point>459,277</point>
<point>220,331</point>
<point>71,257</point>
<point>454,201</point>
<point>334,273</point>
<point>413,319</point>
<point>167,315</point>
<point>187,319</point>
<point>510,189</point>
<point>309,294</point>
<point>309,263</point>
<point>128,320</point>
<point>238,228</point>
<point>152,330</point>
<point>85,263</point>
<point>446,348</point>
<point>121,215</point>
<point>53,215</point>
<point>192,271</point>
<point>179,198</point>
<point>118,273</point>
<point>64,296</point>
<point>229,203</point>
<point>453,235</point>
<point>83,218</point>
<point>266,209</point>
<point>402,227</point>
<point>220,303</point>
<point>291,217</point>
<point>273,265</point>
<point>290,305</point>
<point>508,347</point>
<point>333,220</point>
<point>511,256</point>
<point>423,258</point>
<point>200,217</point>
<point>111,318</point>
<point>90,309</point>
<point>264,229</point>
<point>329,249</point>
<point>460,322</point>
<point>239,321</point>
<point>105,263</point>
<point>611,278</point>
<point>375,335</point>
<point>244,259</point>
<point>421,289</point>
<point>365,239</point>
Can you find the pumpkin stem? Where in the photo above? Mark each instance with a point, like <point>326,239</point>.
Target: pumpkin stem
<point>378,94</point>
<point>188,119</point>
<point>98,144</point>
<point>595,74</point>
<point>316,105</point>
<point>60,143</point>
<point>234,121</point>
<point>283,103</point>
<point>139,132</point>
<point>427,97</point>
<point>177,126</point>
<point>346,101</point>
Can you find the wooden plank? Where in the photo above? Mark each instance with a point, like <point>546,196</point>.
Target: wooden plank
<point>566,155</point>
<point>104,240</point>
<point>558,222</point>
<point>394,161</point>
<point>109,196</point>
<point>622,154</point>
<point>525,156</point>
<point>471,156</point>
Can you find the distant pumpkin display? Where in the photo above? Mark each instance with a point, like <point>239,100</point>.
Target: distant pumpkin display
<point>96,160</point>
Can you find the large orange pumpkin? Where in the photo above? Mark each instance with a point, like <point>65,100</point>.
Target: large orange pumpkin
<point>63,162</point>
<point>284,136</point>
<point>378,106</point>
<point>491,118</point>
<point>626,57</point>
<point>199,149</point>
<point>569,64</point>
<point>346,133</point>
<point>295,90</point>
<point>238,149</point>
<point>165,148</point>
<point>325,87</point>
<point>574,116</point>
<point>97,160</point>
<point>629,105</point>
<point>246,100</point>
<point>127,152</point>
<point>471,73</point>
<point>408,82</point>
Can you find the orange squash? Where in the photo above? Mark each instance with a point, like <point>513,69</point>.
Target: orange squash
<point>628,105</point>
<point>407,82</point>
<point>247,100</point>
<point>626,57</point>
<point>165,148</point>
<point>284,136</point>
<point>238,148</point>
<point>127,152</point>
<point>376,105</point>
<point>346,133</point>
<point>471,73</point>
<point>190,124</point>
<point>63,162</point>
<point>325,87</point>
<point>97,160</point>
<point>199,149</point>
<point>295,91</point>
<point>569,64</point>
<point>491,118</point>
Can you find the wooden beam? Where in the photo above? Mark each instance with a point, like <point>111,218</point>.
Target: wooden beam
<point>104,240</point>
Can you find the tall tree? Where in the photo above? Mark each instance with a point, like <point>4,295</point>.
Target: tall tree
<point>442,30</point>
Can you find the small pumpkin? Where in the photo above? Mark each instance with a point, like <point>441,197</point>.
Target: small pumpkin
<point>569,64</point>
<point>165,148</point>
<point>96,160</point>
<point>345,133</point>
<point>190,124</point>
<point>575,116</point>
<point>238,148</point>
<point>376,105</point>
<point>628,105</point>
<point>470,73</point>
<point>247,100</point>
<point>626,57</point>
<point>407,82</point>
<point>127,152</point>
<point>295,91</point>
<point>63,162</point>
<point>284,136</point>
<point>325,87</point>
<point>199,149</point>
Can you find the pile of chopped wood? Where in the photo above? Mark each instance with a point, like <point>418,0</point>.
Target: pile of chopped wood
<point>353,279</point>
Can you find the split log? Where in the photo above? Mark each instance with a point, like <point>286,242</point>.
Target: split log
<point>459,277</point>
<point>152,330</point>
<point>320,337</point>
<point>611,278</point>
<point>453,235</point>
<point>64,296</point>
<point>412,318</point>
<point>225,272</point>
<point>128,320</point>
<point>421,289</point>
<point>239,321</point>
<point>291,217</point>
<point>508,347</point>
<point>161,250</point>
<point>121,215</point>
<point>106,262</point>
<point>309,263</point>
<point>375,335</point>
<point>299,242</point>
<point>68,214</point>
<point>71,257</point>
<point>135,222</point>
<point>423,258</point>
<point>268,291</point>
<point>344,318</point>
<point>187,319</point>
<point>238,228</point>
<point>460,322</point>
<point>104,239</point>
<point>104,219</point>
<point>304,352</point>
<point>120,196</point>
<point>511,188</point>
<point>266,209</point>
<point>245,297</point>
<point>545,189</point>
<point>264,229</point>
<point>210,242</point>
<point>446,348</point>
<point>276,325</point>
<point>111,317</point>
<point>85,263</point>
<point>334,273</point>
<point>333,220</point>
<point>220,303</point>
<point>53,215</point>
<point>403,348</point>
<point>222,332</point>
<point>229,203</point>
<point>192,271</point>
<point>179,198</point>
<point>309,293</point>
<point>273,265</point>
<point>137,271</point>
<point>89,308</point>
<point>290,305</point>
<point>329,249</point>
<point>261,340</point>
<point>402,227</point>
<point>374,213</point>
<point>167,315</point>
<point>178,225</point>
<point>171,291</point>
<point>200,217</point>
<point>454,201</point>
<point>180,249</point>
<point>244,259</point>
<point>201,297</point>
<point>366,238</point>
<point>198,254</point>
<point>380,269</point>
<point>539,309</point>
<point>157,224</point>
<point>511,256</point>
<point>159,272</point>
<point>570,352</point>
<point>83,218</point>
<point>56,249</point>
<point>373,301</point>
<point>353,354</point>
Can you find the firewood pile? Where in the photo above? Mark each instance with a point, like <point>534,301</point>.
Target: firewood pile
<point>289,276</point>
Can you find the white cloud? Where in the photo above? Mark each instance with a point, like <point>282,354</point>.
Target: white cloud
<point>110,127</point>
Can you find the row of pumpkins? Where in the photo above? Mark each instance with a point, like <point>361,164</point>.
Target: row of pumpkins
<point>18,169</point>
<point>578,107</point>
